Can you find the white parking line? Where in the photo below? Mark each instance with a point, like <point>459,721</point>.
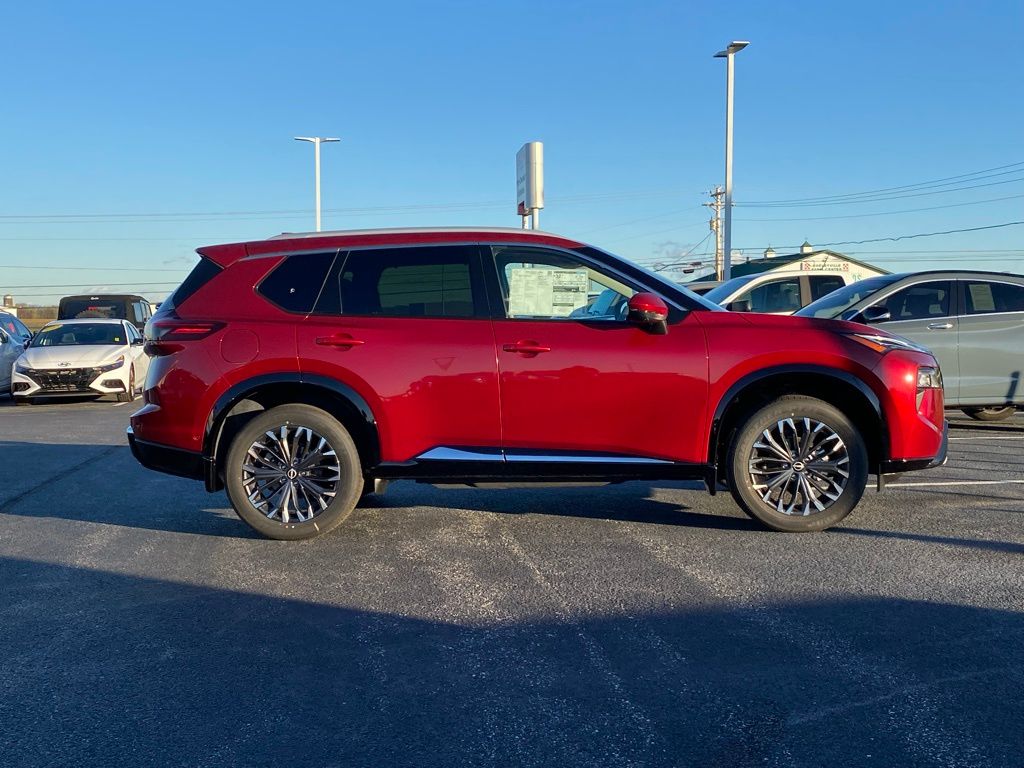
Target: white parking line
<point>954,482</point>
<point>1011,437</point>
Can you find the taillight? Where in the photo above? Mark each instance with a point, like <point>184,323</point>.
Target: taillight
<point>165,335</point>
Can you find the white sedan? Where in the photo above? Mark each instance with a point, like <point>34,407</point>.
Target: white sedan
<point>81,357</point>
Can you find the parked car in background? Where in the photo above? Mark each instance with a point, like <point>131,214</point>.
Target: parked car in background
<point>300,372</point>
<point>134,309</point>
<point>776,293</point>
<point>81,357</point>
<point>14,335</point>
<point>973,322</point>
<point>701,287</point>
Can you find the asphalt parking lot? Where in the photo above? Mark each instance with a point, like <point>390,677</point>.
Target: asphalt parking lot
<point>643,624</point>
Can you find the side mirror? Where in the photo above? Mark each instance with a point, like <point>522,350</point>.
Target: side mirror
<point>740,305</point>
<point>875,314</point>
<point>648,311</point>
<point>27,343</point>
<point>138,342</point>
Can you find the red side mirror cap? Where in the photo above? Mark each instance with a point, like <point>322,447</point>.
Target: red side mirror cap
<point>650,312</point>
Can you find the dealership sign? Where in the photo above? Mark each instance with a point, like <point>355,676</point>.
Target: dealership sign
<point>530,178</point>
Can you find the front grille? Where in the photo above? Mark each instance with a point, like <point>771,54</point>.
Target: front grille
<point>64,379</point>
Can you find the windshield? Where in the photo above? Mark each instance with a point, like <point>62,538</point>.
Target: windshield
<point>727,289</point>
<point>80,334</point>
<point>837,302</point>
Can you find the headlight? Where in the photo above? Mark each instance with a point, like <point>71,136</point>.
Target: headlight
<point>929,378</point>
<point>882,344</point>
<point>111,366</point>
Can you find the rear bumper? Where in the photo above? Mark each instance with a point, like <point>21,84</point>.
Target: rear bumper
<point>162,458</point>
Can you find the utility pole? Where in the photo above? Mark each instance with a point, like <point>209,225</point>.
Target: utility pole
<point>316,141</point>
<point>716,227</point>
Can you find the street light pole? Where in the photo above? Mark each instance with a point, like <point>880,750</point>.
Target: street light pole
<point>731,50</point>
<point>316,141</point>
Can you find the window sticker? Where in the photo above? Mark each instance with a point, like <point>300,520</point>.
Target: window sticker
<point>546,291</point>
<point>981,297</point>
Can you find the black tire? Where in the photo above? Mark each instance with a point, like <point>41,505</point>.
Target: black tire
<point>993,413</point>
<point>750,453</point>
<point>347,490</point>
<point>127,397</point>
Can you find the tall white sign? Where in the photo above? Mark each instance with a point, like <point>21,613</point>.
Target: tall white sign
<point>530,179</point>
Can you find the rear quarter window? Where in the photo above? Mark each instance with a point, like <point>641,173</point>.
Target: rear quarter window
<point>296,283</point>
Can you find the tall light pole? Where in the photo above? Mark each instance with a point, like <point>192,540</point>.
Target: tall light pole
<point>317,141</point>
<point>731,50</point>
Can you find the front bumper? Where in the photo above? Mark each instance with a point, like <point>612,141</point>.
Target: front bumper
<point>899,466</point>
<point>162,458</point>
<point>51,382</point>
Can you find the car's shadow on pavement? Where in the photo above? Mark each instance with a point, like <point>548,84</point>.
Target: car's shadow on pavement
<point>632,502</point>
<point>104,484</point>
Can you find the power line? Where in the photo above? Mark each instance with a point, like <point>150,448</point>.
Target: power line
<point>879,198</point>
<point>93,269</point>
<point>892,213</point>
<point>80,285</point>
<point>896,189</point>
<point>896,238</point>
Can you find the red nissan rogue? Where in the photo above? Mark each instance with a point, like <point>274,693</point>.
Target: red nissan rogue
<point>302,372</point>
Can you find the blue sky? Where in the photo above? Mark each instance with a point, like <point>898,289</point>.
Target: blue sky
<point>127,115</point>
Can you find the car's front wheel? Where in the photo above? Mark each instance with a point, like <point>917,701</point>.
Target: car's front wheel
<point>797,464</point>
<point>995,413</point>
<point>127,397</point>
<point>293,472</point>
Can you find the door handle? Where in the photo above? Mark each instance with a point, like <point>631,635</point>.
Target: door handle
<point>526,348</point>
<point>939,326</point>
<point>340,340</point>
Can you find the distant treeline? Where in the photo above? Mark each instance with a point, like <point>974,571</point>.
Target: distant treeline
<point>37,313</point>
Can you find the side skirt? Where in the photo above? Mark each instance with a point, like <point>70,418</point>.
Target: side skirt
<point>475,472</point>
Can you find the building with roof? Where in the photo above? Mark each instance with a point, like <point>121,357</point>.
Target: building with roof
<point>808,259</point>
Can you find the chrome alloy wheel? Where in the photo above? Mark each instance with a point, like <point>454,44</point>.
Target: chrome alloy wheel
<point>291,474</point>
<point>799,467</point>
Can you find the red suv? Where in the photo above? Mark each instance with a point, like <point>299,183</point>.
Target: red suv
<point>304,371</point>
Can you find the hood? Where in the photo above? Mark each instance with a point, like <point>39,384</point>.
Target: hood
<point>42,358</point>
<point>783,323</point>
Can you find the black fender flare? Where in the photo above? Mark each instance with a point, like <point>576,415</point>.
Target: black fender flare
<point>245,389</point>
<point>783,370</point>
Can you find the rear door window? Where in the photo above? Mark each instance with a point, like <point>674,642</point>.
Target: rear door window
<point>427,281</point>
<point>983,297</point>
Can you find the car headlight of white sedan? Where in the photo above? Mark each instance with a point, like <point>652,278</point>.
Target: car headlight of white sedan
<point>111,366</point>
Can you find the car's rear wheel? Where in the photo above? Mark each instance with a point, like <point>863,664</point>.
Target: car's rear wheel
<point>293,473</point>
<point>797,464</point>
<point>996,413</point>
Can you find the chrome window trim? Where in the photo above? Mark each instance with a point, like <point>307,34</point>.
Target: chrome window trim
<point>599,266</point>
